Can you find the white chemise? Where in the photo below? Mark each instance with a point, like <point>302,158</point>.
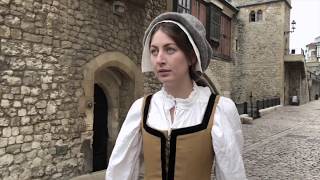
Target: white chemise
<point>126,159</point>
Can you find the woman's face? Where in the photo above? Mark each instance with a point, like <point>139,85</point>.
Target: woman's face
<point>170,64</point>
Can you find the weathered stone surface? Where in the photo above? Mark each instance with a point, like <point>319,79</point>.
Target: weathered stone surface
<point>6,160</point>
<point>4,2</point>
<point>5,103</point>
<point>17,64</point>
<point>12,48</point>
<point>51,107</point>
<point>3,142</point>
<point>19,158</point>
<point>41,104</point>
<point>4,31</point>
<point>33,63</point>
<point>11,80</point>
<point>16,33</point>
<point>22,112</point>
<point>14,149</point>
<point>6,132</point>
<point>61,149</point>
<point>26,147</point>
<point>42,49</point>
<point>28,26</point>
<point>4,122</point>
<point>32,37</point>
<point>26,130</point>
<point>12,21</point>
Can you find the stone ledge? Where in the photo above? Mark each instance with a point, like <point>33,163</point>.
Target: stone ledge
<point>99,175</point>
<point>246,119</point>
<point>267,110</point>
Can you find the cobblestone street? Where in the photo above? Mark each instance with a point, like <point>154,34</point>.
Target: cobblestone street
<point>284,144</point>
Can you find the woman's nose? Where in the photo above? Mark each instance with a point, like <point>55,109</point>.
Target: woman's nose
<point>160,59</point>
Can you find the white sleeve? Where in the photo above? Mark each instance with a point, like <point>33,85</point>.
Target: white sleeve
<point>124,163</point>
<point>227,142</point>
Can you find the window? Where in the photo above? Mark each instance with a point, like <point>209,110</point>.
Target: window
<point>184,6</point>
<point>318,51</point>
<point>214,23</point>
<point>223,48</point>
<point>218,25</point>
<point>199,10</point>
<point>259,15</point>
<point>252,16</point>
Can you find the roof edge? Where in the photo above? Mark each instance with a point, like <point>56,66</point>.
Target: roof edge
<point>266,2</point>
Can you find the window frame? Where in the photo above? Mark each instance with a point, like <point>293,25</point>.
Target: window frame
<point>213,23</point>
<point>220,42</point>
<point>184,5</point>
<point>259,16</point>
<point>252,16</point>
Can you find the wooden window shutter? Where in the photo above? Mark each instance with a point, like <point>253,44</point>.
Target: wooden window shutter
<point>215,20</point>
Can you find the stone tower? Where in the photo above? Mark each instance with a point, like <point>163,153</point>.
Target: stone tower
<point>261,46</point>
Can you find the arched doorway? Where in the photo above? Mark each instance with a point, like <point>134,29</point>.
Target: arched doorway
<point>100,130</point>
<point>116,81</point>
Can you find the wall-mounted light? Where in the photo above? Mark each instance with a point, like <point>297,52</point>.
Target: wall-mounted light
<point>293,27</point>
<point>118,7</point>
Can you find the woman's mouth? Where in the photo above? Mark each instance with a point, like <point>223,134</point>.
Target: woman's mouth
<point>164,72</point>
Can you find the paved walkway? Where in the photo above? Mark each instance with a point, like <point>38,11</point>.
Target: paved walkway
<point>284,144</point>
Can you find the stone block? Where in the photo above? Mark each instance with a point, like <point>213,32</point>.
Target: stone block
<point>5,103</point>
<point>32,37</point>
<point>41,104</point>
<point>13,48</point>
<point>16,104</point>
<point>245,119</point>
<point>6,160</point>
<point>24,130</point>
<point>51,107</point>
<point>42,49</point>
<point>16,33</point>
<point>4,2</point>
<point>11,140</point>
<point>12,21</point>
<point>4,122</point>
<point>22,112</point>
<point>15,131</point>
<point>28,27</point>
<point>3,142</point>
<point>61,149</point>
<point>19,158</point>
<point>19,139</point>
<point>4,31</point>
<point>6,132</point>
<point>14,149</point>
<point>12,81</point>
<point>26,147</point>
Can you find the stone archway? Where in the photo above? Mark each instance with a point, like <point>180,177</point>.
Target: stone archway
<point>121,82</point>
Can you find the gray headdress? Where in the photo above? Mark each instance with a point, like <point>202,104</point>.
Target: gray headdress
<point>193,29</point>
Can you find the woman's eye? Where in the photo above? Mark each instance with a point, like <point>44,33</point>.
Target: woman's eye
<point>171,50</point>
<point>153,52</point>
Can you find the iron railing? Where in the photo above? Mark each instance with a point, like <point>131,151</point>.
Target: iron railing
<point>253,109</point>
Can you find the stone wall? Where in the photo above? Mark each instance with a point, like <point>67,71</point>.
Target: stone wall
<point>219,73</point>
<point>314,89</point>
<point>43,47</point>
<point>259,58</point>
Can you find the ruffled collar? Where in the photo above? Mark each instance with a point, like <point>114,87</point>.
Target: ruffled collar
<point>170,101</point>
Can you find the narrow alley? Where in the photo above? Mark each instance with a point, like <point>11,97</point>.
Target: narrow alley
<point>284,144</point>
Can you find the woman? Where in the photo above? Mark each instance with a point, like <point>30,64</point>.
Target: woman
<point>183,130</point>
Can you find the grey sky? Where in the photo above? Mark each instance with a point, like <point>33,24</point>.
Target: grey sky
<point>306,13</point>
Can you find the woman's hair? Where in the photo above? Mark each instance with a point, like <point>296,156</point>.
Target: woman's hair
<point>181,39</point>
